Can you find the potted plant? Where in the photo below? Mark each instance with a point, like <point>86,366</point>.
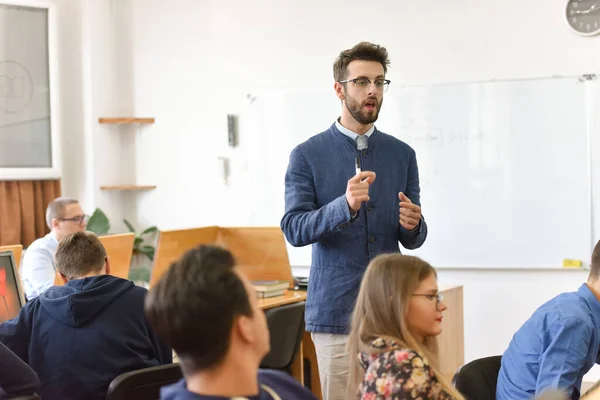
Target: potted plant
<point>98,223</point>
<point>143,254</point>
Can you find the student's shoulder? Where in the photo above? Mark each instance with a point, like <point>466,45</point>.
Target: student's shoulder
<point>283,384</point>
<point>42,246</point>
<point>136,291</point>
<point>565,310</point>
<point>401,358</point>
<point>39,242</point>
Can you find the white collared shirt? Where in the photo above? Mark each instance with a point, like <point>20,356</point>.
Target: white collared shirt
<point>351,134</point>
<point>37,270</point>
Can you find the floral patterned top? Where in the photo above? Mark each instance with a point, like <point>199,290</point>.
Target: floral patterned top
<point>396,373</point>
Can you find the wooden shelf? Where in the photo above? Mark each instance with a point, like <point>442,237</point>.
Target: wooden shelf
<point>126,121</point>
<point>128,187</point>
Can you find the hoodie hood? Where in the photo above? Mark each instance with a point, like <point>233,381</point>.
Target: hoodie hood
<point>81,300</point>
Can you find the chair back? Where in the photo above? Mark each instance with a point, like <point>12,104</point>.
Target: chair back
<point>143,384</point>
<point>477,380</point>
<point>286,329</point>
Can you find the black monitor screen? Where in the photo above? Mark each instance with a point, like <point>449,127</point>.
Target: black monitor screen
<point>11,299</point>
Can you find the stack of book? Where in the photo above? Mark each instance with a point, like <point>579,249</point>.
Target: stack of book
<point>265,289</point>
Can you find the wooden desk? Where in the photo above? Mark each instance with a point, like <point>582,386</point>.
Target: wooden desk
<point>290,296</point>
<point>260,252</point>
<point>119,249</point>
<point>171,245</point>
<point>451,341</point>
<point>592,392</point>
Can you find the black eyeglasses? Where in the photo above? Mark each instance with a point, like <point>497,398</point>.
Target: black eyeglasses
<point>77,219</point>
<point>431,297</point>
<point>363,83</point>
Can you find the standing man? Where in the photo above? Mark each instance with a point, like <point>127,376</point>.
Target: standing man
<point>334,202</point>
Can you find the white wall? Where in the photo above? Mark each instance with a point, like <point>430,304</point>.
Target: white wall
<point>95,81</point>
<point>191,62</point>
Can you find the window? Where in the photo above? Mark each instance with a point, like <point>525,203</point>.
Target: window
<point>28,121</point>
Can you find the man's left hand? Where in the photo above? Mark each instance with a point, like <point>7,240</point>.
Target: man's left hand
<point>410,214</point>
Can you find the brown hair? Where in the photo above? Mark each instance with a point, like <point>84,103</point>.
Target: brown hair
<point>80,254</point>
<point>381,309</point>
<point>363,51</point>
<point>595,267</point>
<point>56,209</point>
<point>194,305</point>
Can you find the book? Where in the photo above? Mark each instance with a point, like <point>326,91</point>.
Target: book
<point>268,286</point>
<point>272,293</point>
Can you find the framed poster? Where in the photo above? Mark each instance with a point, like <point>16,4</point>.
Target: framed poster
<point>29,130</point>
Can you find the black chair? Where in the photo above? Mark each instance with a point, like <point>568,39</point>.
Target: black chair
<point>143,384</point>
<point>286,328</point>
<point>477,380</point>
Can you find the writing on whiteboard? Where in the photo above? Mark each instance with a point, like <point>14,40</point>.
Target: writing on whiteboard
<point>437,137</point>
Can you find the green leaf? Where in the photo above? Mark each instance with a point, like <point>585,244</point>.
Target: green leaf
<point>137,241</point>
<point>98,223</point>
<point>148,251</point>
<point>152,229</point>
<point>140,274</point>
<point>129,226</point>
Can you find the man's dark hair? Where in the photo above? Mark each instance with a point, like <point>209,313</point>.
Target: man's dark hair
<point>595,268</point>
<point>363,51</point>
<point>80,254</point>
<point>194,305</point>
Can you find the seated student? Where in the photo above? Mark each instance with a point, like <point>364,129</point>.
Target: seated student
<point>557,345</point>
<point>80,336</point>
<point>63,216</point>
<point>17,379</point>
<point>207,309</point>
<point>392,344</point>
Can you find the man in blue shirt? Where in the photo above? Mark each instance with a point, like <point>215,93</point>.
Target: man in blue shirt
<point>207,309</point>
<point>352,192</point>
<point>557,346</point>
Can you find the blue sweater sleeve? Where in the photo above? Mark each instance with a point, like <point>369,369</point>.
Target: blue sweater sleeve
<point>413,239</point>
<point>16,377</point>
<point>303,222</point>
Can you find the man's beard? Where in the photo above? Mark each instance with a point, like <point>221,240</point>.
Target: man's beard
<point>360,115</point>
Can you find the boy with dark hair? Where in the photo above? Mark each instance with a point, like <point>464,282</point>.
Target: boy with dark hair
<point>207,309</point>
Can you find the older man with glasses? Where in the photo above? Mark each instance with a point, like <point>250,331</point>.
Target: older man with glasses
<point>64,216</point>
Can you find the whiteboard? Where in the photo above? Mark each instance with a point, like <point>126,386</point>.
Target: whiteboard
<point>505,167</point>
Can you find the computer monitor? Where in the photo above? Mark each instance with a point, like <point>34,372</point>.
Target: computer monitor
<point>12,298</point>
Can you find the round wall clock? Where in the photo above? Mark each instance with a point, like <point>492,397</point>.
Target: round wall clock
<point>583,16</point>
